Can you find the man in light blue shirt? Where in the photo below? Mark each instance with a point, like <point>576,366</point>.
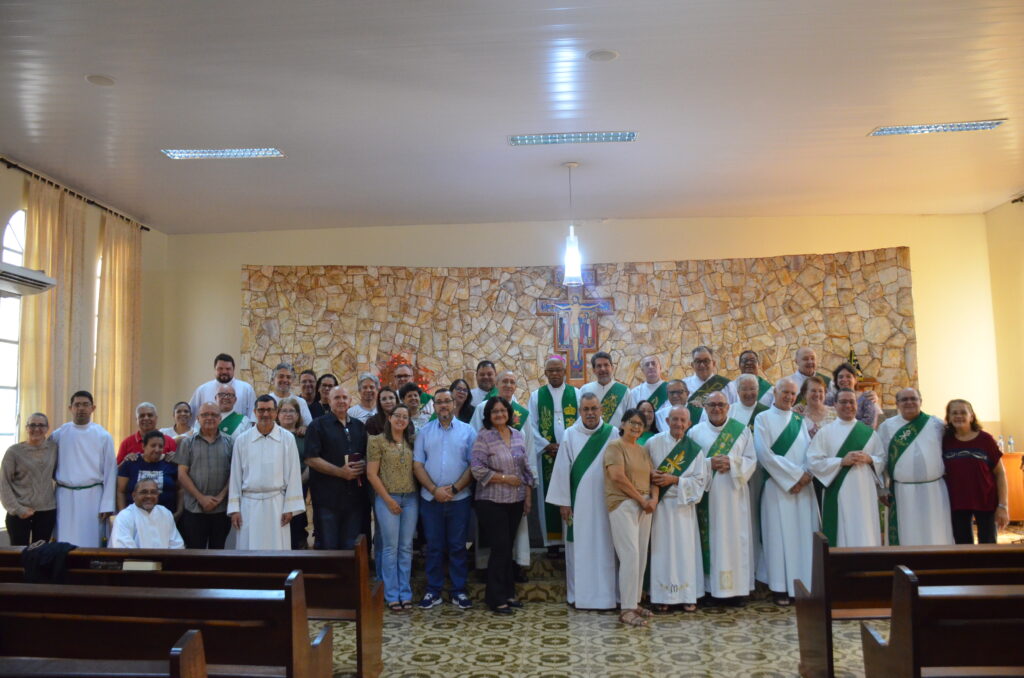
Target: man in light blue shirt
<point>441,464</point>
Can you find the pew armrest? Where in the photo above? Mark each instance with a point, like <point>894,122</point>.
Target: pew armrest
<point>814,630</point>
<point>876,653</point>
<point>321,654</point>
<point>188,657</point>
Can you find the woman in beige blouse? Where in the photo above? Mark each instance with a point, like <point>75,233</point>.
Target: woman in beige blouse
<point>631,500</point>
<point>816,412</point>
<point>389,470</point>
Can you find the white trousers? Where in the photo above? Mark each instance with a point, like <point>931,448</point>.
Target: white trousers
<point>631,535</point>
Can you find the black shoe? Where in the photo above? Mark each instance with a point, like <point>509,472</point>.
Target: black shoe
<point>520,576</point>
<point>515,603</point>
<point>504,609</point>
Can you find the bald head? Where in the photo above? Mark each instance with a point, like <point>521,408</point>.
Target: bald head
<point>226,398</point>
<point>678,421</point>
<point>340,401</point>
<point>806,361</point>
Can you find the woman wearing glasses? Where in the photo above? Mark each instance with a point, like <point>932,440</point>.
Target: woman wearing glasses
<point>26,485</point>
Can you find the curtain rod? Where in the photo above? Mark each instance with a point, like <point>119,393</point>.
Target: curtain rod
<point>88,201</point>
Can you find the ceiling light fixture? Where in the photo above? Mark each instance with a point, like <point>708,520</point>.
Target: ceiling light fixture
<point>223,153</point>
<point>572,272</point>
<point>550,138</point>
<point>971,126</point>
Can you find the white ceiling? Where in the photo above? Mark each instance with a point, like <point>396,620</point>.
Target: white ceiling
<point>397,111</point>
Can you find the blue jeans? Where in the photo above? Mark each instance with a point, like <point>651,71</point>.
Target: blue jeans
<point>396,538</point>
<point>445,527</point>
<point>337,529</point>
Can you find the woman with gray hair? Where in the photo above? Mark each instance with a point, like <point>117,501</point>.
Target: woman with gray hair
<point>368,385</point>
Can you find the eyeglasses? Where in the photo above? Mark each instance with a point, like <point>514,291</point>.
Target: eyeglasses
<point>702,361</point>
<point>674,392</point>
<point>37,426</point>
<point>714,406</point>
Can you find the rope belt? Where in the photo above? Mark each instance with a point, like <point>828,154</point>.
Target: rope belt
<point>78,487</point>
<point>918,482</point>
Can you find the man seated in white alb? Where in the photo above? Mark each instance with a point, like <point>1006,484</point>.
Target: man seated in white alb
<point>145,524</point>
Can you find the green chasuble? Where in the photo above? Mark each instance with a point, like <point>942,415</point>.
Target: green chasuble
<point>858,437</point>
<point>901,440</point>
<point>546,425</point>
<point>579,468</point>
<point>230,423</point>
<point>715,382</point>
<point>611,401</point>
<point>730,433</point>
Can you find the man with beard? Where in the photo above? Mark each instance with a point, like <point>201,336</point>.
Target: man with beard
<point>486,374</point>
<point>224,373</point>
<point>614,395</point>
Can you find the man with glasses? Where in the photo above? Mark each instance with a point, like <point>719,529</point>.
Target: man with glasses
<point>231,422</point>
<point>145,524</point>
<point>705,379</point>
<point>402,375</point>
<point>441,458</point>
<point>678,394</point>
<point>204,464</point>
<point>918,500</point>
<point>26,485</point>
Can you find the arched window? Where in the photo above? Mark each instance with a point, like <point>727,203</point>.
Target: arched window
<point>10,331</point>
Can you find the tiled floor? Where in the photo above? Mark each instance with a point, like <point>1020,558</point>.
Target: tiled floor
<point>550,639</point>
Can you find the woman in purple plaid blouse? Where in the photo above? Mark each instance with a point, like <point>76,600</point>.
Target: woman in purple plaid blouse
<point>502,496</point>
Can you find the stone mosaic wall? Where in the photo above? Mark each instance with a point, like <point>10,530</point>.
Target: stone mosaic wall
<point>346,319</point>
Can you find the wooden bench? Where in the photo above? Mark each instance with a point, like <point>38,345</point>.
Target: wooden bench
<point>187,660</point>
<point>856,583</point>
<point>338,583</point>
<point>245,632</point>
<point>947,630</point>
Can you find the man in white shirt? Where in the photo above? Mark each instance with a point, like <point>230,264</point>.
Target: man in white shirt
<point>486,374</point>
<point>653,387</point>
<point>553,408</point>
<point>224,369</point>
<point>368,385</point>
<point>86,475</point>
<point>282,379</point>
<point>614,395</point>
<point>145,524</point>
<point>750,363</point>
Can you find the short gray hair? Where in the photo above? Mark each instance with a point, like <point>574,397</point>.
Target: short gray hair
<point>702,347</point>
<point>144,404</point>
<point>363,376</point>
<point>284,366</point>
<point>745,377</point>
<point>589,395</point>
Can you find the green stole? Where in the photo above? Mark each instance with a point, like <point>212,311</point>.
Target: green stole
<point>786,439</point>
<point>490,394</point>
<point>758,409</point>
<point>546,426</point>
<point>660,396</point>
<point>678,460</point>
<point>579,468</point>
<point>731,432</point>
<point>230,423</point>
<point>644,437</point>
<point>519,416</point>
<point>611,401</point>
<point>763,386</point>
<point>695,412</point>
<point>901,440</point>
<point>425,398</point>
<point>858,437</point>
<point>715,382</point>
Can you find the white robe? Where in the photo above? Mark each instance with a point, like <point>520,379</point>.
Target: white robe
<point>737,411</point>
<point>478,395</point>
<point>245,397</point>
<point>788,521</point>
<point>693,382</point>
<point>640,393</point>
<point>594,584</point>
<point>265,483</point>
<point>732,572</point>
<point>521,545</point>
<point>135,528</point>
<point>677,569</point>
<point>86,457</point>
<point>922,508</point>
<point>768,399</point>
<point>858,497</point>
<point>359,412</point>
<point>597,389</point>
<point>540,442</point>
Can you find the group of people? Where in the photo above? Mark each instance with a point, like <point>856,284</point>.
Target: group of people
<point>715,482</point>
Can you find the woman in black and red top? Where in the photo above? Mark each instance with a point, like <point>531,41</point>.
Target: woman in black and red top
<point>974,476</point>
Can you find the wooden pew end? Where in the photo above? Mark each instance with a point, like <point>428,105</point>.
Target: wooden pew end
<point>188,658</point>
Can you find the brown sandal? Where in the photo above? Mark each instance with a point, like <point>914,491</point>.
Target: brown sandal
<point>644,612</point>
<point>631,618</point>
<point>689,607</point>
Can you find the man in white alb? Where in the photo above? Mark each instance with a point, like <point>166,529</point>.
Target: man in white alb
<point>145,524</point>
<point>224,373</point>
<point>678,394</point>
<point>918,499</point>
<point>486,374</point>
<point>577,490</point>
<point>86,476</point>
<point>750,363</point>
<point>677,570</point>
<point>553,409</point>
<point>705,379</point>
<point>265,487</point>
<point>653,387</point>
<point>725,511</point>
<point>368,385</point>
<point>806,366</point>
<point>614,395</point>
<point>789,509</point>
<point>231,422</point>
<point>847,457</point>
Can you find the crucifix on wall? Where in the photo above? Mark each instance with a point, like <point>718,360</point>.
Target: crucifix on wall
<point>576,326</point>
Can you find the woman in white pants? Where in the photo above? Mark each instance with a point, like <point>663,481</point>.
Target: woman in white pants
<point>628,490</point>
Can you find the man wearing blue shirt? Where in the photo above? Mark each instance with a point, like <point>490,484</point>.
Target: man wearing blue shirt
<point>441,464</point>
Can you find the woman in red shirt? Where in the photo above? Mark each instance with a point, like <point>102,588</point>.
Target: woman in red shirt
<point>974,476</point>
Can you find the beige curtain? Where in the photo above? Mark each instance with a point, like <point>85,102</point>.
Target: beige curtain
<point>56,326</point>
<point>119,329</point>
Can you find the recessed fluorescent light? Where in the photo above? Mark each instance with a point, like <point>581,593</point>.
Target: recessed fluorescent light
<point>232,153</point>
<point>937,127</point>
<point>570,138</point>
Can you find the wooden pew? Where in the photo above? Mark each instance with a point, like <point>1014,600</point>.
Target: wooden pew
<point>245,632</point>
<point>338,583</point>
<point>947,630</point>
<point>856,583</point>
<point>187,660</point>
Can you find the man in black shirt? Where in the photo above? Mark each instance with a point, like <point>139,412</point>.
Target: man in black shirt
<point>336,453</point>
